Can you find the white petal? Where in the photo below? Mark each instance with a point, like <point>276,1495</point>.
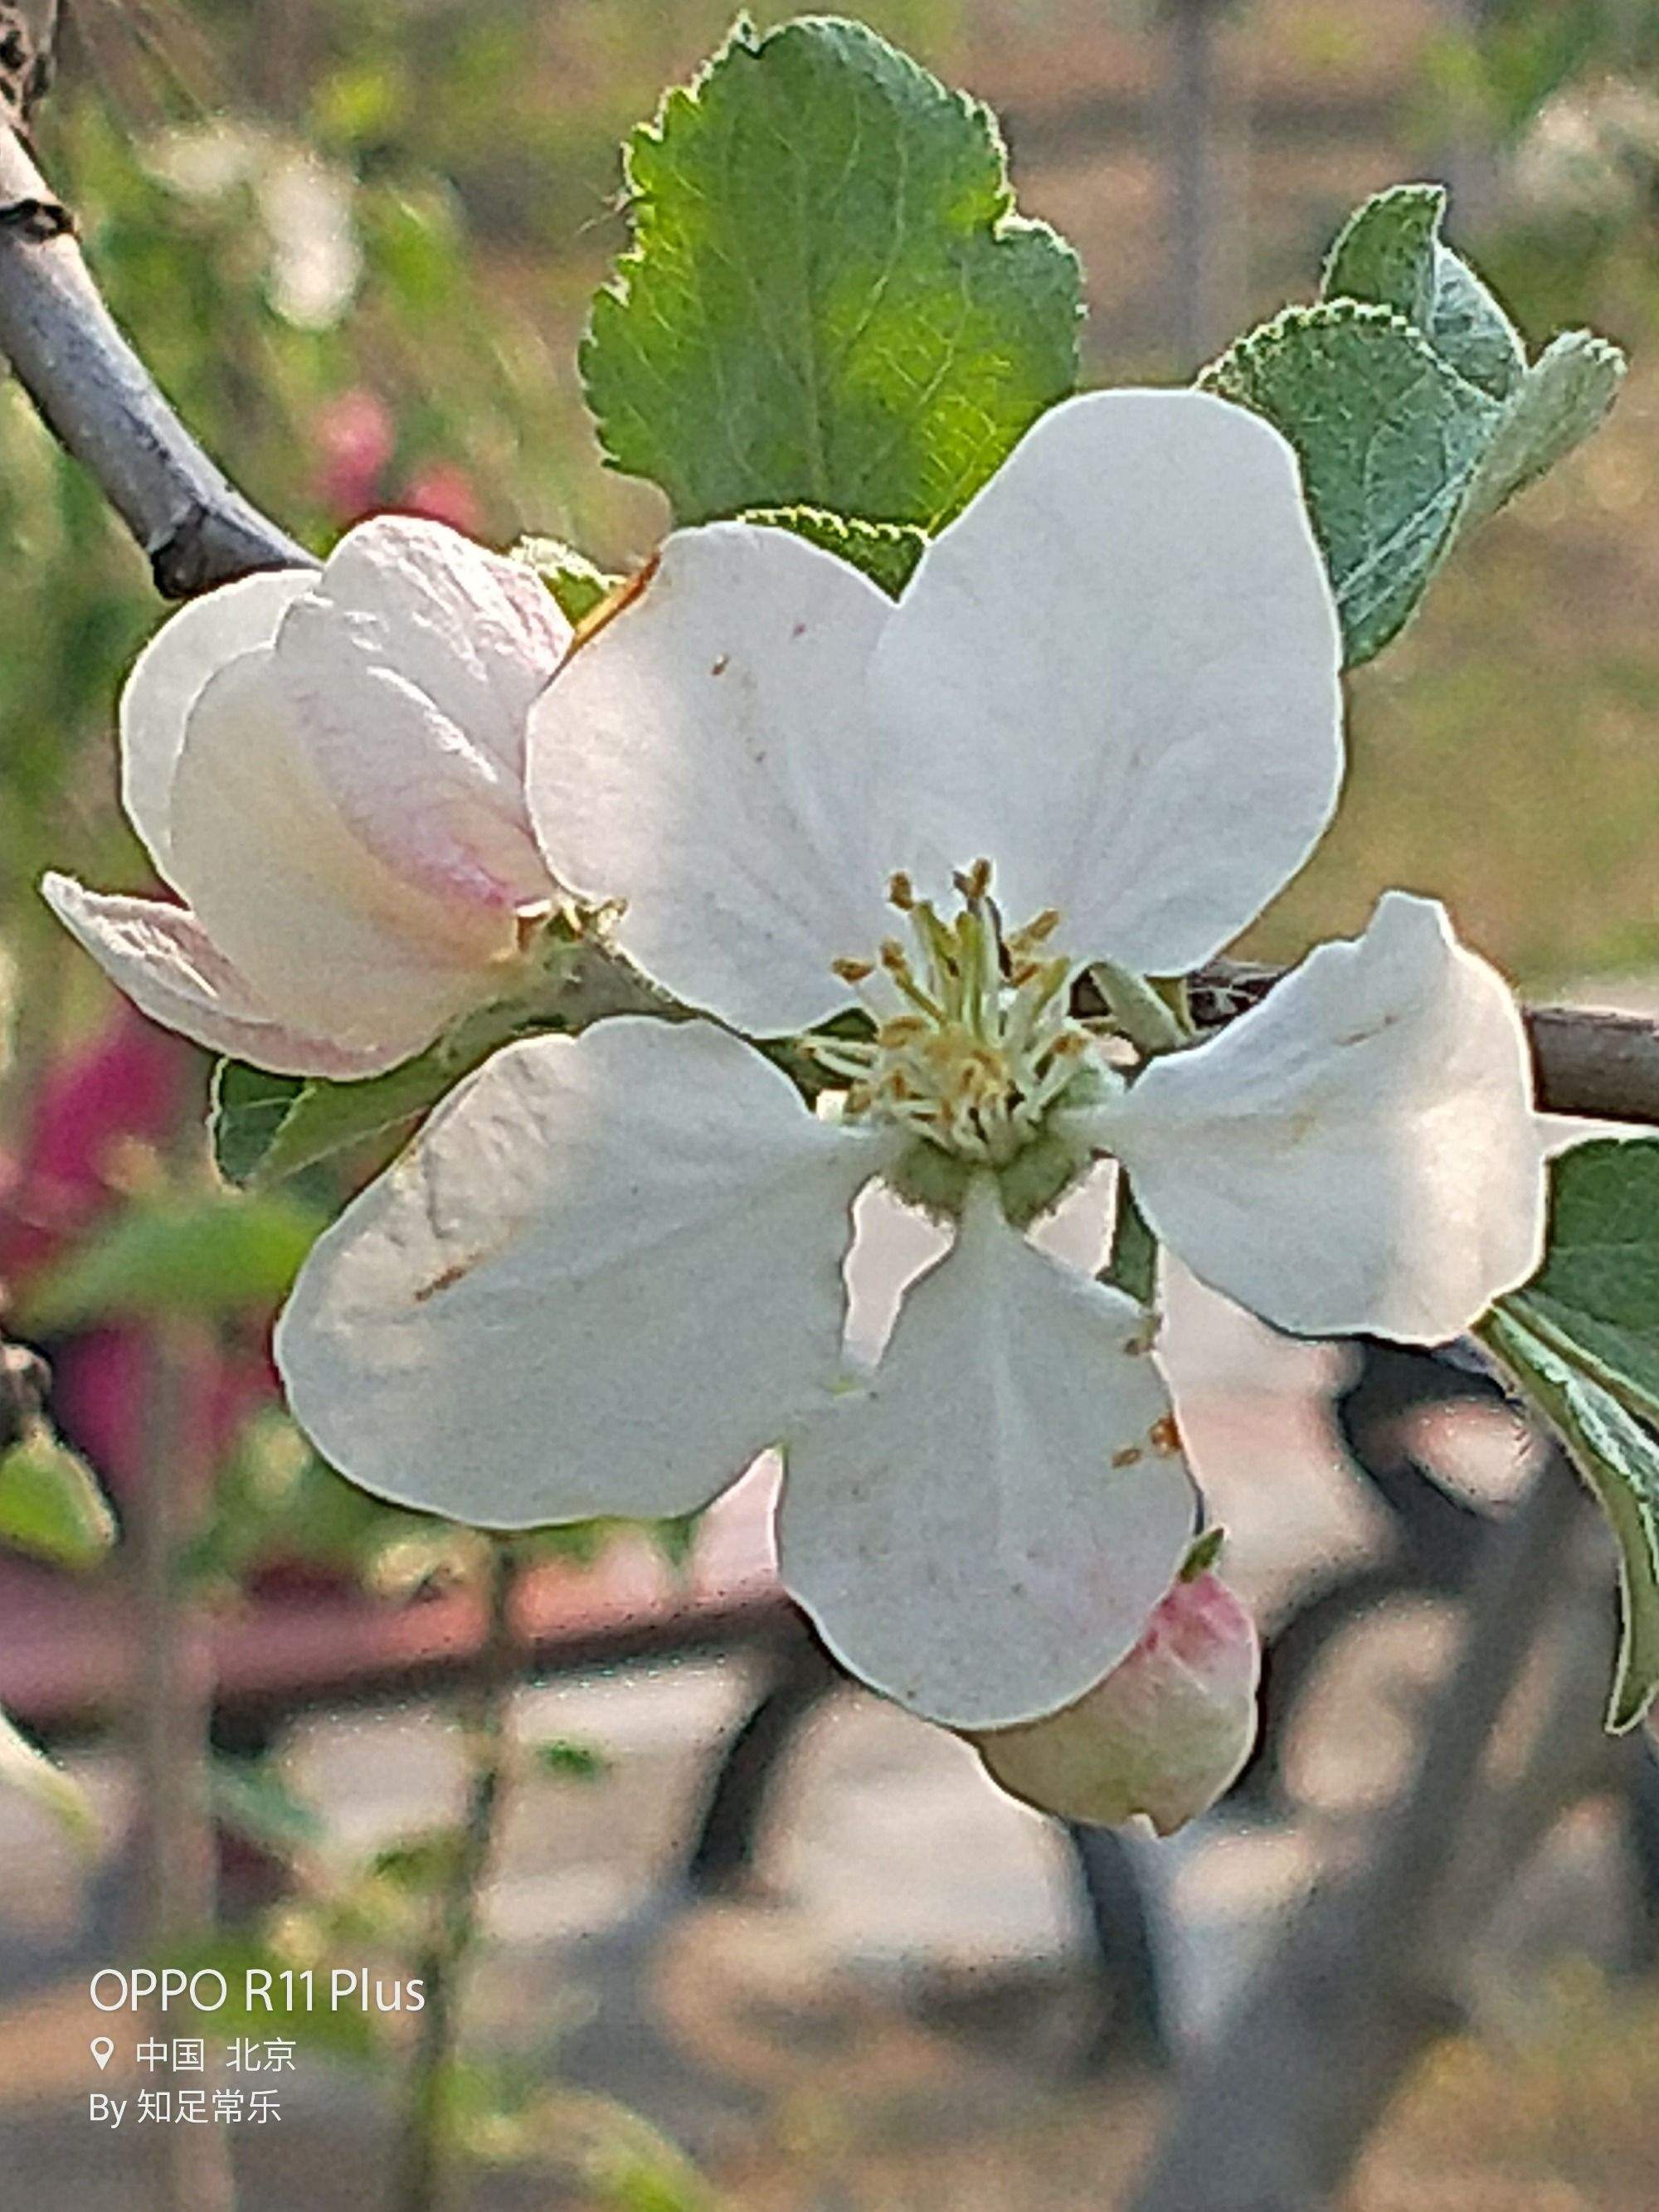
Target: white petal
<point>983,1533</point>
<point>707,756</point>
<point>600,1282</point>
<point>478,633</point>
<point>169,674</point>
<point>411,667</point>
<point>160,958</point>
<point>331,939</point>
<point>1358,1152</point>
<point>1116,676</point>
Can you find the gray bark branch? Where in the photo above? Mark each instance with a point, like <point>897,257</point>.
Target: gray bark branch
<point>103,406</point>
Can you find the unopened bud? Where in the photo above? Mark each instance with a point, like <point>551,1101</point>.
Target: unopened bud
<point>1166,1732</point>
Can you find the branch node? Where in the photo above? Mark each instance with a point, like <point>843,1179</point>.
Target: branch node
<point>36,222</point>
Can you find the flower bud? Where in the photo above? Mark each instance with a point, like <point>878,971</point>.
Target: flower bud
<point>328,768</point>
<point>1165,1733</point>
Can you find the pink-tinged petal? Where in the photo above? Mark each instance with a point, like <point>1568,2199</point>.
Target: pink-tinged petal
<point>1359,1152</point>
<point>1165,1735</point>
<point>411,669</point>
<point>982,1533</point>
<point>334,941</point>
<point>168,677</point>
<point>708,756</point>
<point>159,956</point>
<point>1117,675</point>
<point>480,635</point>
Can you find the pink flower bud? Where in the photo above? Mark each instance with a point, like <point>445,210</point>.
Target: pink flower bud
<point>328,768</point>
<point>1165,1734</point>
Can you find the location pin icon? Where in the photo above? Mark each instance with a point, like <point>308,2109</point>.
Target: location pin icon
<point>103,2050</point>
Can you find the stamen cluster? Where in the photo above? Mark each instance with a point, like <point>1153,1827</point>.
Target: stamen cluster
<point>982,1043</point>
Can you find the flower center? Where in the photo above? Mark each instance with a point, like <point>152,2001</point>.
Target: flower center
<point>982,1043</point>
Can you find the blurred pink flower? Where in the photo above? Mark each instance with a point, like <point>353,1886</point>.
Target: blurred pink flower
<point>443,492</point>
<point>130,1082</point>
<point>1166,1732</point>
<point>356,438</point>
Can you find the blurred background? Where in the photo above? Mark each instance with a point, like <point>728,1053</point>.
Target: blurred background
<point>356,241</point>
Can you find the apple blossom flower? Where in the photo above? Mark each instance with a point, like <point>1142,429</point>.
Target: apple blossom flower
<point>609,1273</point>
<point>1165,1735</point>
<point>328,768</point>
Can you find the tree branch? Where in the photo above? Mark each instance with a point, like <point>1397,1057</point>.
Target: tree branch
<point>1604,1066</point>
<point>100,402</point>
<point>104,407</point>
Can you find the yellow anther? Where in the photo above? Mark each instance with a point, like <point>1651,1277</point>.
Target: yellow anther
<point>974,882</point>
<point>901,891</point>
<point>894,958</point>
<point>1036,932</point>
<point>902,1030</point>
<point>852,971</point>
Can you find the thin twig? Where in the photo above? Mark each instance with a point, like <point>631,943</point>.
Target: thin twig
<point>426,2177</point>
<point>103,406</point>
<point>1603,1066</point>
<point>173,1718</point>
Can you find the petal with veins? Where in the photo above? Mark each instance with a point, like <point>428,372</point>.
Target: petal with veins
<point>982,1533</point>
<point>168,677</point>
<point>159,956</point>
<point>1359,1152</point>
<point>331,938</point>
<point>708,756</point>
<point>1115,674</point>
<point>601,1281</point>
<point>411,667</point>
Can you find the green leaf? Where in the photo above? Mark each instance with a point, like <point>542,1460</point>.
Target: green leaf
<point>575,582</point>
<point>1619,1460</point>
<point>831,301</point>
<point>1390,253</point>
<point>1583,1338</point>
<point>1565,394</point>
<point>259,1141</point>
<point>208,1254</point>
<point>887,552</point>
<point>246,1108</point>
<point>1389,438</point>
<point>24,1768</point>
<point>1596,1296</point>
<point>51,1504</point>
<point>321,1118</point>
